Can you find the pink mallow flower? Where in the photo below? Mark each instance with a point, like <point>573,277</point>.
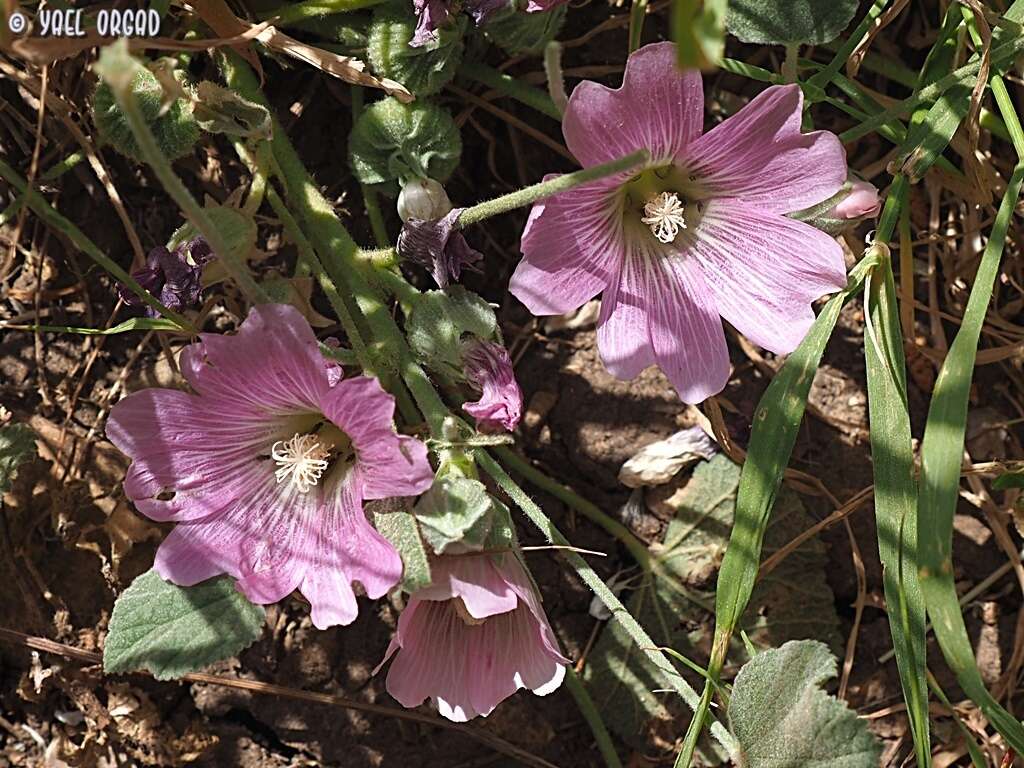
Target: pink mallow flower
<point>472,638</point>
<point>489,369</point>
<point>265,468</point>
<point>697,235</point>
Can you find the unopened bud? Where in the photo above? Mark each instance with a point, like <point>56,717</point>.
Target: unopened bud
<point>423,199</point>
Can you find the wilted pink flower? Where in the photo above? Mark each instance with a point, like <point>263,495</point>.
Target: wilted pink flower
<point>862,202</point>
<point>265,468</point>
<point>473,638</point>
<point>698,234</point>
<point>489,368</point>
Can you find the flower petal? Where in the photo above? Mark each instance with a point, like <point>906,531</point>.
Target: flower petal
<point>389,464</point>
<point>273,364</point>
<point>765,270</point>
<point>622,335</point>
<point>346,548</point>
<point>759,155</point>
<point>571,246</point>
<point>658,107</point>
<point>178,444</point>
<point>686,330</point>
<point>473,578</point>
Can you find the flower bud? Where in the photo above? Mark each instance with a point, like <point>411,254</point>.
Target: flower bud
<point>861,202</point>
<point>174,127</point>
<point>424,200</point>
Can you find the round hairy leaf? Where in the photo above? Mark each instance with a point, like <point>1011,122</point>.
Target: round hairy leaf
<point>518,32</point>
<point>794,21</point>
<point>392,141</point>
<point>423,69</point>
<point>783,719</point>
<point>172,630</point>
<point>176,130</point>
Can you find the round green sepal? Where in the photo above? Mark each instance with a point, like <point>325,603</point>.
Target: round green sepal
<point>176,130</point>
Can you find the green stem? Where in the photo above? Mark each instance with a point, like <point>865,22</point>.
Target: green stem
<point>511,87</point>
<point>789,64</point>
<point>308,257</point>
<point>535,192</point>
<point>891,212</point>
<point>117,67</point>
<point>586,706</point>
<point>589,576</point>
<point>55,221</point>
<point>637,14</point>
<point>54,172</point>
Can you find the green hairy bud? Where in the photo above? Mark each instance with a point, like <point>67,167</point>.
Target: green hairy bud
<point>174,127</point>
<point>393,142</point>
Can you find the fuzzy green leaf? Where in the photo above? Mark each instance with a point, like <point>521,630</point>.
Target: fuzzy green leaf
<point>519,33</point>
<point>783,719</point>
<point>790,22</point>
<point>392,141</point>
<point>455,510</point>
<point>423,69</point>
<point>401,530</point>
<point>171,630</point>
<point>220,110</point>
<point>438,322</point>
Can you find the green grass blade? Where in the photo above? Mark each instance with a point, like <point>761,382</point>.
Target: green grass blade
<point>941,454</point>
<point>927,139</point>
<point>896,498</point>
<point>776,423</point>
<point>132,324</point>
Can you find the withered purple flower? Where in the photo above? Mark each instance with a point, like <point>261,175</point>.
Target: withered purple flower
<point>438,246</point>
<point>174,277</point>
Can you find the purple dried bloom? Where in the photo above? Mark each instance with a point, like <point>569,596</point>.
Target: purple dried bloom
<point>432,14</point>
<point>265,468</point>
<point>698,235</point>
<point>438,246</point>
<point>175,278</point>
<point>488,368</point>
<point>473,638</point>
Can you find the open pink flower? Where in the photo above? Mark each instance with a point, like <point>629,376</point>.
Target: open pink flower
<point>473,638</point>
<point>489,368</point>
<point>266,467</point>
<point>697,235</point>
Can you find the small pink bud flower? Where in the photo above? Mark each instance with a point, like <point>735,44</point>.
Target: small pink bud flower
<point>266,466</point>
<point>472,638</point>
<point>862,202</point>
<point>488,367</point>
